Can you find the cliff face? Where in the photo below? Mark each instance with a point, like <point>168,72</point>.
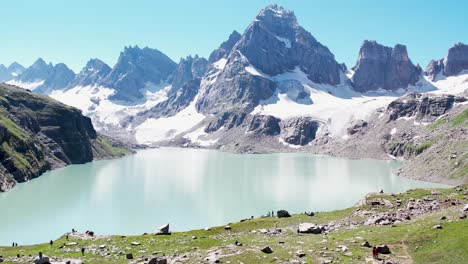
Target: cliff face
<point>38,134</point>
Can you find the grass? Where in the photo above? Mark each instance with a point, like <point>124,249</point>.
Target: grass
<point>410,242</point>
<point>110,148</point>
<point>460,119</point>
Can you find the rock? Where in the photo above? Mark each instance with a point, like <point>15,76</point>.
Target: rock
<point>227,120</point>
<point>228,227</point>
<point>92,74</point>
<point>225,48</point>
<point>194,237</point>
<point>310,213</point>
<point>443,217</point>
<point>309,228</point>
<point>344,248</point>
<point>359,126</point>
<point>383,67</point>
<point>129,256</point>
<point>43,260</point>
<point>465,208</point>
<point>265,125</point>
<point>135,243</point>
<point>300,253</point>
<point>158,260</point>
<point>433,68</point>
<point>298,131</point>
<point>383,249</point>
<point>70,244</point>
<point>282,213</point>
<point>348,254</point>
<point>163,230</point>
<point>437,227</point>
<point>456,60</point>
<point>267,250</point>
<point>188,69</point>
<point>263,231</point>
<point>366,244</point>
<point>102,246</point>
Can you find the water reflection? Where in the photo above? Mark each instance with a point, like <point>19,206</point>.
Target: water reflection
<point>188,188</point>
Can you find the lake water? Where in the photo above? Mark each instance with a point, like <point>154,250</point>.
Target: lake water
<point>188,188</point>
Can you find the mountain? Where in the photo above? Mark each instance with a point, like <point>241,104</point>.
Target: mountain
<point>39,134</point>
<point>7,74</point>
<point>225,48</point>
<point>383,67</point>
<point>454,62</point>
<point>273,44</point>
<point>37,72</point>
<point>59,78</point>
<point>139,69</point>
<point>93,73</point>
<point>188,69</point>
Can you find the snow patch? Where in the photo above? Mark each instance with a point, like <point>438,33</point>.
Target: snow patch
<point>199,137</point>
<point>286,41</point>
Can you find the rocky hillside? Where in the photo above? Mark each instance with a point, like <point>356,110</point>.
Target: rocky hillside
<point>39,134</point>
<point>417,226</point>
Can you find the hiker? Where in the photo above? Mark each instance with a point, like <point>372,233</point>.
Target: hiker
<point>374,252</point>
<point>51,242</point>
<point>40,255</point>
<point>66,237</point>
<point>13,244</point>
<point>73,230</point>
<point>82,251</point>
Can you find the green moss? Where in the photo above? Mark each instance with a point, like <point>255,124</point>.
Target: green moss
<point>460,119</point>
<point>437,124</point>
<point>110,148</point>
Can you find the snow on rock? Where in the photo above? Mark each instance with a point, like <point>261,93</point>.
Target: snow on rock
<point>94,102</point>
<point>254,71</point>
<point>286,41</point>
<point>26,85</point>
<point>165,128</point>
<point>199,137</point>
<point>220,64</point>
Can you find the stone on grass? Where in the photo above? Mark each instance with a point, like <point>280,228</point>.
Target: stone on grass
<point>129,256</point>
<point>384,249</point>
<point>43,260</point>
<point>135,244</point>
<point>309,228</point>
<point>283,213</point>
<point>228,227</point>
<point>437,227</point>
<point>267,250</point>
<point>366,244</point>
<point>158,260</point>
<point>163,230</point>
<point>300,253</point>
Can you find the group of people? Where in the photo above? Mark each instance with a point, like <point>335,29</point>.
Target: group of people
<point>14,244</point>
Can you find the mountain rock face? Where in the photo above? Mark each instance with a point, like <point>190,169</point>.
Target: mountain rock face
<point>273,44</point>
<point>423,107</point>
<point>59,78</point>
<point>92,74</point>
<point>383,67</point>
<point>16,69</point>
<point>38,71</point>
<point>225,47</point>
<point>138,69</point>
<point>38,134</point>
<point>188,69</point>
<point>227,119</point>
<point>454,62</point>
<point>4,73</point>
<point>298,131</point>
<point>265,125</point>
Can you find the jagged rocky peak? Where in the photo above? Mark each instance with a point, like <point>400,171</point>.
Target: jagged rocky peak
<point>225,47</point>
<point>16,69</point>
<point>92,74</point>
<point>275,43</point>
<point>456,59</point>
<point>38,71</point>
<point>189,68</point>
<point>381,67</point>
<point>59,78</point>
<point>138,69</point>
<point>454,62</point>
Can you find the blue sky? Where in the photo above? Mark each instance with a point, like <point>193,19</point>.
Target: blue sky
<point>75,31</point>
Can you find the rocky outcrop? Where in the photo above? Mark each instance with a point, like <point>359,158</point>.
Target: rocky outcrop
<point>38,71</point>
<point>225,47</point>
<point>188,69</point>
<point>227,120</point>
<point>454,62</point>
<point>273,44</point>
<point>383,67</point>
<point>358,126</point>
<point>39,134</point>
<point>265,125</point>
<point>92,74</point>
<point>138,69</point>
<point>422,107</point>
<point>298,131</point>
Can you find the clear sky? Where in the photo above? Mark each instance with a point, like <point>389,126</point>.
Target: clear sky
<point>74,31</point>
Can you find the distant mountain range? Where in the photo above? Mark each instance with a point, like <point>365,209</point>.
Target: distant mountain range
<point>272,88</point>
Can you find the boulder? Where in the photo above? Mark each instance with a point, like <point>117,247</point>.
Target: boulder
<point>135,244</point>
<point>300,254</point>
<point>384,249</point>
<point>163,230</point>
<point>264,125</point>
<point>43,260</point>
<point>366,244</point>
<point>267,250</point>
<point>309,228</point>
<point>129,256</point>
<point>465,208</point>
<point>283,213</point>
<point>358,126</point>
<point>158,260</point>
<point>456,60</point>
<point>437,227</point>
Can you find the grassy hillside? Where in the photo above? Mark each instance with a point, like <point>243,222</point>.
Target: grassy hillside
<point>410,241</point>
